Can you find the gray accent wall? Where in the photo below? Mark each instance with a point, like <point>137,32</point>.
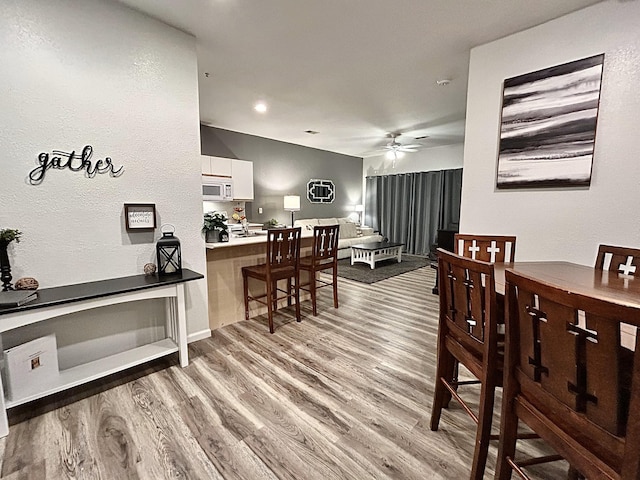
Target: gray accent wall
<point>281,168</point>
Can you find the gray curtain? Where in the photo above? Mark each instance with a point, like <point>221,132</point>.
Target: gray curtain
<point>410,208</point>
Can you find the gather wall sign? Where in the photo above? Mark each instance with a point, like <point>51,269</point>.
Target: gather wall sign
<point>75,162</point>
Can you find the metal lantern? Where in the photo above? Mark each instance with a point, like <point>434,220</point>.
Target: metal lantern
<point>168,253</point>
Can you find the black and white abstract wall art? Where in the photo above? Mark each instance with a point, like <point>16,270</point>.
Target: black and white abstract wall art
<point>548,126</point>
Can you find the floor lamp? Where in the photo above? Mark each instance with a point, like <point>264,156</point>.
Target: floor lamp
<point>292,204</point>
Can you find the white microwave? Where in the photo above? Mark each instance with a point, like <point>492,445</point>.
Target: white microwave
<point>217,189</point>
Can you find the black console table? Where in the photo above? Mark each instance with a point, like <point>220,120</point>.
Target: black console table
<point>58,301</point>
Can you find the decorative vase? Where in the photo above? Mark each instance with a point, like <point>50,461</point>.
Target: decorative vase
<point>5,267</point>
<point>212,236</point>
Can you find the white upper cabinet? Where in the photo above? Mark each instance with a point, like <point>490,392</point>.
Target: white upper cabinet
<point>240,171</point>
<point>216,166</point>
<point>242,174</point>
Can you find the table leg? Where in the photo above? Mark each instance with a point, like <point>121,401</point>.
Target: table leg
<point>4,421</point>
<point>181,314</point>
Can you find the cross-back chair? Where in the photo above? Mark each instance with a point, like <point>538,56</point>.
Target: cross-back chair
<point>282,263</point>
<point>324,256</point>
<point>487,248</point>
<point>570,380</point>
<point>623,260</point>
<point>467,333</point>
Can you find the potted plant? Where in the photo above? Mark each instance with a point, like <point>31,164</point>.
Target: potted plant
<point>215,227</point>
<point>7,235</point>
<point>273,223</point>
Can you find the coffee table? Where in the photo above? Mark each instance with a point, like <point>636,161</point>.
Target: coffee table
<point>370,253</point>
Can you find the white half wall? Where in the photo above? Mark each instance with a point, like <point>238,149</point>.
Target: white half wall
<point>560,224</point>
<point>89,72</point>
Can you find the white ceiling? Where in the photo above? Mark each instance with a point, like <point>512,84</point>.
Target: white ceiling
<point>353,70</point>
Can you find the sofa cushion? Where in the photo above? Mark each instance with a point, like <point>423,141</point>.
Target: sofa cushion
<point>306,223</point>
<point>348,230</point>
<point>348,242</point>
<point>327,221</point>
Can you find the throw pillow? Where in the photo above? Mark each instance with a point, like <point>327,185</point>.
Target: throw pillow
<point>348,230</point>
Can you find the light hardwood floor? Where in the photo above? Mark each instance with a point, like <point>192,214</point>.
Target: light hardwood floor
<point>345,395</point>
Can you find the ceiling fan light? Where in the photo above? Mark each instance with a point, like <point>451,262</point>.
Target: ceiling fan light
<point>394,154</point>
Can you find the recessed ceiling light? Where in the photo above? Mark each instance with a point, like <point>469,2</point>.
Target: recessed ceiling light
<point>311,132</point>
<point>260,107</point>
<point>443,82</point>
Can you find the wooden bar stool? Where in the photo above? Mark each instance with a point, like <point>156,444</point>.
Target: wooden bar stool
<point>623,260</point>
<point>487,248</point>
<point>467,334</point>
<point>283,263</point>
<point>568,378</point>
<point>324,257</point>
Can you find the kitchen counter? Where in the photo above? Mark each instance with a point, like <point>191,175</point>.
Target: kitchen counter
<point>257,237</point>
<point>235,241</point>
<point>224,277</point>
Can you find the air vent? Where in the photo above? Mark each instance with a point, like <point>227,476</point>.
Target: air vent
<point>422,137</point>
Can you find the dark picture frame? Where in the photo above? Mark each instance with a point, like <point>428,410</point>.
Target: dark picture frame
<point>140,217</point>
<point>548,126</point>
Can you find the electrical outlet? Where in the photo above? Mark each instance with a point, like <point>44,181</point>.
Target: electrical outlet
<point>259,210</point>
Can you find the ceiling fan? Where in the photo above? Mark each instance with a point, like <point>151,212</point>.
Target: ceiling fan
<point>396,150</point>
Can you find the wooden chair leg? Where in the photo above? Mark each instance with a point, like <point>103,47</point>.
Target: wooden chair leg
<point>297,294</point>
<point>289,291</point>
<point>246,296</point>
<point>483,433</point>
<point>441,396</point>
<point>274,293</point>
<point>508,438</point>
<point>454,381</point>
<point>335,287</point>
<point>312,290</point>
<point>270,305</point>
<point>573,474</point>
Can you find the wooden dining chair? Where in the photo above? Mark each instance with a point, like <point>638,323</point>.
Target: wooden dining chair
<point>324,256</point>
<point>487,248</point>
<point>283,263</point>
<point>467,333</point>
<point>569,379</point>
<point>620,259</point>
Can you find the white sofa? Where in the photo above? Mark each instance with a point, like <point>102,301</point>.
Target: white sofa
<point>350,233</point>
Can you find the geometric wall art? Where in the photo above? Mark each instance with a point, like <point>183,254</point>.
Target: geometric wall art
<point>548,126</point>
<point>321,191</point>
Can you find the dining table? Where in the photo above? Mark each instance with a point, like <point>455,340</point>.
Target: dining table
<point>607,285</point>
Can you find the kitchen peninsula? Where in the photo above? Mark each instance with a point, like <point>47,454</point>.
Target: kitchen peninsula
<point>224,277</point>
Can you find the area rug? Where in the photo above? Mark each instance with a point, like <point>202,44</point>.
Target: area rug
<point>361,272</point>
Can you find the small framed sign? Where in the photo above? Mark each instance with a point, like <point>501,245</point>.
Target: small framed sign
<point>140,217</point>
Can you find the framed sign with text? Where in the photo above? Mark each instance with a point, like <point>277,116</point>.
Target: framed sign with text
<point>140,217</point>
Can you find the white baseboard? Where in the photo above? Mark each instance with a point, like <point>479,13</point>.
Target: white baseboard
<point>194,337</point>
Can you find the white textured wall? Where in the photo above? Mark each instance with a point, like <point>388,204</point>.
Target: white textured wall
<point>77,72</point>
<point>560,224</point>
